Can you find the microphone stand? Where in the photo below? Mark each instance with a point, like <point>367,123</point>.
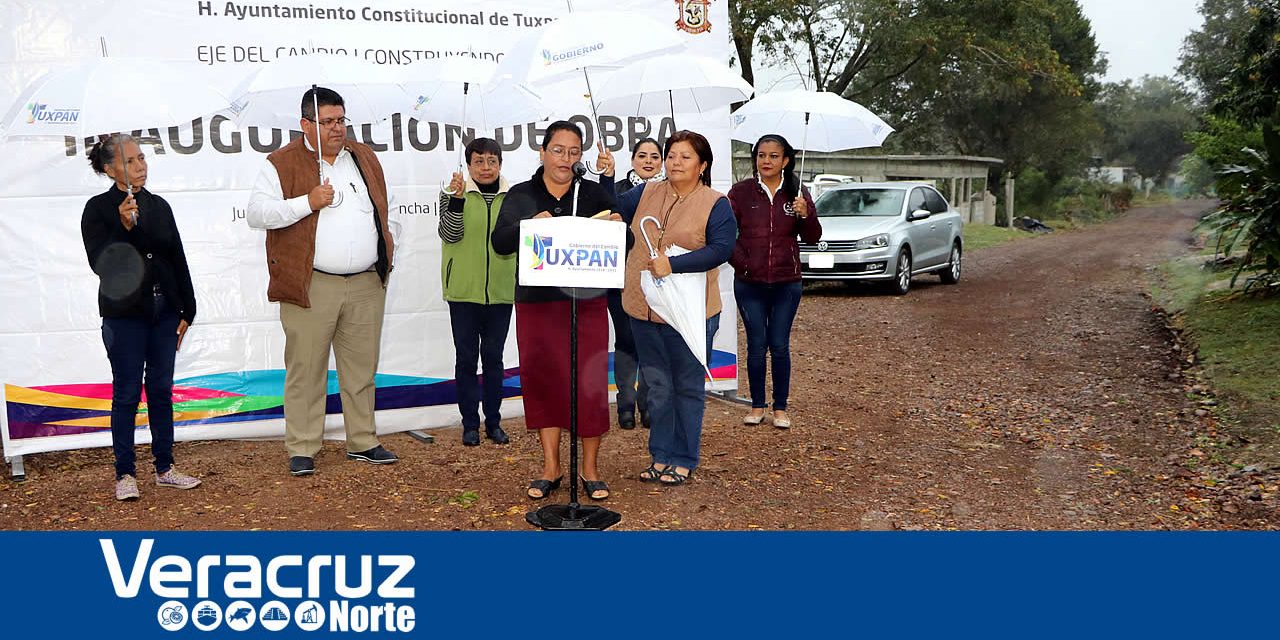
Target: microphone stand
<point>573,516</point>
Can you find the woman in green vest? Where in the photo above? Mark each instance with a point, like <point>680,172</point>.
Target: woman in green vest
<point>479,286</point>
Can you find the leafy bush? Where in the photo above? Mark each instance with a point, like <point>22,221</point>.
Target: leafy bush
<point>1251,215</point>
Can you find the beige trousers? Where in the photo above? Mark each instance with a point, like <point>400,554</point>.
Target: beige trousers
<point>345,315</point>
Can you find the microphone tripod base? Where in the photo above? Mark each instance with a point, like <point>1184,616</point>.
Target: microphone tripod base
<point>573,517</point>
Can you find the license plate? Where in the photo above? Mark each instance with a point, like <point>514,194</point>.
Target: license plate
<point>822,261</point>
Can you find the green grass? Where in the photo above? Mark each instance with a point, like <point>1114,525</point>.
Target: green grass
<point>979,236</point>
<point>1237,338</point>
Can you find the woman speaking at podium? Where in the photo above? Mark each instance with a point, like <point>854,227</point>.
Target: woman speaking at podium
<point>542,316</point>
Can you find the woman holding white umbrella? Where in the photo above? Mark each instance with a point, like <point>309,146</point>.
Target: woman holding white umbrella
<point>772,209</point>
<point>146,301</point>
<point>693,217</point>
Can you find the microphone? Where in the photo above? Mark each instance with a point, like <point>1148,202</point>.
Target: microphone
<point>579,169</point>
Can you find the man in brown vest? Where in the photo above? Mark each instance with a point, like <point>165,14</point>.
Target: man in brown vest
<point>329,251</point>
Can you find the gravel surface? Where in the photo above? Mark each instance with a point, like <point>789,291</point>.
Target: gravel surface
<point>1042,392</point>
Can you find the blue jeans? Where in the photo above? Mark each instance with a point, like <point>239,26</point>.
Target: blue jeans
<point>632,390</point>
<point>676,387</point>
<point>138,348</point>
<point>767,312</point>
<point>479,333</point>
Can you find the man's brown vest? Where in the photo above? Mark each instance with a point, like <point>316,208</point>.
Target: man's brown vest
<point>291,251</point>
<point>684,223</point>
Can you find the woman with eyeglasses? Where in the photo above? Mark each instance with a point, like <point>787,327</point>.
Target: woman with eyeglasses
<point>146,301</point>
<point>542,317</point>
<point>479,285</point>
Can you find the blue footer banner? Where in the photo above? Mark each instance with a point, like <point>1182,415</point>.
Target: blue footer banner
<point>529,585</point>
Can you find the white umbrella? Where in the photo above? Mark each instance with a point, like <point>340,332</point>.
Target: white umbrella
<point>672,83</point>
<point>107,95</point>
<point>679,298</point>
<point>462,91</point>
<point>821,120</point>
<point>585,40</point>
<point>271,96</point>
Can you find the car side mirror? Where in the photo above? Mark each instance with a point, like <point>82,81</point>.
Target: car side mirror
<point>918,214</point>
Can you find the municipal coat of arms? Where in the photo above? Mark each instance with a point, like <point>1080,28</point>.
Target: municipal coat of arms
<point>693,16</point>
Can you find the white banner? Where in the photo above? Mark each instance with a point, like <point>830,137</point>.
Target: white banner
<point>229,377</point>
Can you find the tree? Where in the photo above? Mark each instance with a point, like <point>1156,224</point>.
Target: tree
<point>986,77</point>
<point>1252,87</point>
<point>1209,53</point>
<point>747,18</point>
<point>1147,124</point>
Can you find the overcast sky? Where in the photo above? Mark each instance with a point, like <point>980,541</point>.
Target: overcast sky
<point>1141,36</point>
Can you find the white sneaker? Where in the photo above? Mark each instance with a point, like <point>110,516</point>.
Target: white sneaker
<point>177,480</point>
<point>127,488</point>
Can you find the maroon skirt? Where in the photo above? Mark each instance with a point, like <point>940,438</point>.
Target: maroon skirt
<point>542,335</point>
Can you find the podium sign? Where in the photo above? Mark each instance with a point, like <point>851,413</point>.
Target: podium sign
<point>572,252</point>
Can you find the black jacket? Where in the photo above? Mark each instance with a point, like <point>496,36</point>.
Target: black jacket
<point>129,263</point>
<point>528,199</point>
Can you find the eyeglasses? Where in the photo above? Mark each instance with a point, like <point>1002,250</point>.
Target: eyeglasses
<point>568,153</point>
<point>329,122</point>
<point>485,162</point>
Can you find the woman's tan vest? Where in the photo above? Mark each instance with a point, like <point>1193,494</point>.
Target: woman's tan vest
<point>684,223</point>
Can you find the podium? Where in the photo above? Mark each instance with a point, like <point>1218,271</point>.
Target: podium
<point>572,252</point>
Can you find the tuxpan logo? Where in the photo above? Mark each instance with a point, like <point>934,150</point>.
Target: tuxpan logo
<point>538,245</point>
<point>215,590</point>
<point>40,112</point>
<point>419,102</point>
<point>573,258</point>
<point>550,57</point>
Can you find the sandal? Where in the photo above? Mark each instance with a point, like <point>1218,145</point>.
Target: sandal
<point>545,487</point>
<point>652,473</point>
<point>675,476</point>
<point>593,487</point>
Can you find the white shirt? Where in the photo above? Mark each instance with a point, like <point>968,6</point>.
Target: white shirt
<point>769,192</point>
<point>346,239</point>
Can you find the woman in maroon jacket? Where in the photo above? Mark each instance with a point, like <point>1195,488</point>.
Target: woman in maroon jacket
<point>772,208</point>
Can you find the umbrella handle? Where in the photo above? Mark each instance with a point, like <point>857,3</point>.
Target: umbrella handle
<point>444,184</point>
<point>653,253</point>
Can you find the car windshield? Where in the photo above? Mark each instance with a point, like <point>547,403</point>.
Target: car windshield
<point>861,202</point>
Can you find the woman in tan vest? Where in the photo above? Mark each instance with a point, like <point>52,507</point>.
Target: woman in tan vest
<point>694,217</point>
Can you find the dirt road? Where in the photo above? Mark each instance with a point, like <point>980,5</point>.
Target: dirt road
<point>1042,392</point>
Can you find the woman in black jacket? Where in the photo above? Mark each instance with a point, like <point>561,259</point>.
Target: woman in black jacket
<point>146,301</point>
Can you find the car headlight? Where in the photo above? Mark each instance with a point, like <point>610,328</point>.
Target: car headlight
<point>872,242</point>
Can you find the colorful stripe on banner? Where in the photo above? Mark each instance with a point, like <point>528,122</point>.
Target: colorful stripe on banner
<point>68,409</point>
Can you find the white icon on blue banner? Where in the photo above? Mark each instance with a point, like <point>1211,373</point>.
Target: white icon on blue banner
<point>273,616</point>
<point>206,615</point>
<point>172,615</point>
<point>240,615</point>
<point>309,615</point>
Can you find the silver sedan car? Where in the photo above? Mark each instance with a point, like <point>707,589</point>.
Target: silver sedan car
<point>885,232</point>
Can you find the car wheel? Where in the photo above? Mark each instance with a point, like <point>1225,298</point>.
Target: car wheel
<point>951,274</point>
<point>902,277</point>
